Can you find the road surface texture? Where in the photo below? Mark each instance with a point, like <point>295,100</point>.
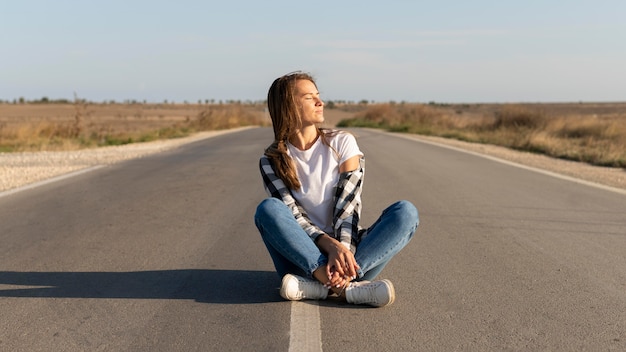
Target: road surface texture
<point>161,254</point>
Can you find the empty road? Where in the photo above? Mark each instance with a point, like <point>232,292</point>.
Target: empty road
<point>161,254</point>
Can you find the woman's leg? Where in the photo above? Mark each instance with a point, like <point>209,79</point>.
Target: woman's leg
<point>389,234</point>
<point>291,249</point>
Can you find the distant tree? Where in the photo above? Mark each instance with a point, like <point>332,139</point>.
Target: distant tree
<point>21,100</point>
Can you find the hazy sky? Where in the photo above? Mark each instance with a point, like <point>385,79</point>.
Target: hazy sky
<point>443,51</point>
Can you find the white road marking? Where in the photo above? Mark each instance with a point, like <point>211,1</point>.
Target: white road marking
<point>511,163</point>
<point>306,334</point>
<point>148,148</point>
<point>50,180</point>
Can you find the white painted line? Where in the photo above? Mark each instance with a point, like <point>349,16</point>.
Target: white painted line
<point>49,180</point>
<point>521,166</point>
<point>306,334</point>
<point>148,147</point>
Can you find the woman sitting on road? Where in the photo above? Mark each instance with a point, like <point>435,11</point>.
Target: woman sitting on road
<point>310,225</point>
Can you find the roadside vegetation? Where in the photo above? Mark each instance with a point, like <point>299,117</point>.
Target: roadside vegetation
<point>64,125</point>
<point>587,132</point>
<point>594,133</point>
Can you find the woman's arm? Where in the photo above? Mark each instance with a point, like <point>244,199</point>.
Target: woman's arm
<point>350,164</point>
<point>347,205</point>
<point>276,188</point>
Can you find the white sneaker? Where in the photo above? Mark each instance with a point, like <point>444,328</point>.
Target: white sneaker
<point>375,293</point>
<point>295,288</point>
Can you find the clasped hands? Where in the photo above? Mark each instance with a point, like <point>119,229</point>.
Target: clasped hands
<point>342,267</point>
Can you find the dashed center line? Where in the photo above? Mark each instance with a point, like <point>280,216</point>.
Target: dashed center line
<point>306,334</point>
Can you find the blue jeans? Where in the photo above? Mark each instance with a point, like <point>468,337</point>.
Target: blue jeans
<point>293,251</point>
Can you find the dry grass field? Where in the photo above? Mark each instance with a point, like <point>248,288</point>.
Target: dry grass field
<point>36,127</point>
<point>594,133</point>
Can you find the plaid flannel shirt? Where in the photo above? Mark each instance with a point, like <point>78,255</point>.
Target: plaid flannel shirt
<point>346,209</point>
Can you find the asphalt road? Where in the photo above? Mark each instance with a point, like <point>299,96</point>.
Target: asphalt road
<point>161,254</point>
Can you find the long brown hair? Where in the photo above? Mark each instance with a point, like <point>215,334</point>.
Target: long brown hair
<point>283,109</point>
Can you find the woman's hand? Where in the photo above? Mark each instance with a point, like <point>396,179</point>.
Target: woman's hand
<point>342,267</point>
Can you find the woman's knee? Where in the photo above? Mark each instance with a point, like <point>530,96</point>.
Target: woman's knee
<point>268,207</point>
<point>406,211</point>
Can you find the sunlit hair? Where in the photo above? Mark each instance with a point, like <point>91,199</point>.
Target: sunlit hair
<point>282,104</point>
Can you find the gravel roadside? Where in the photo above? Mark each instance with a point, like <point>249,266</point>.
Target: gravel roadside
<point>21,169</point>
<point>606,176</point>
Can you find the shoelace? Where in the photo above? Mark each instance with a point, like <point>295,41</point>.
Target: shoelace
<point>305,286</point>
<point>369,294</point>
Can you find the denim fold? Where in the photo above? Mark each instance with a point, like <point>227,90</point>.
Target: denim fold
<point>293,252</point>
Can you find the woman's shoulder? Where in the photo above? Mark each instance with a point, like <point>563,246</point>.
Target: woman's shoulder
<point>335,136</point>
<point>344,142</point>
<point>344,145</point>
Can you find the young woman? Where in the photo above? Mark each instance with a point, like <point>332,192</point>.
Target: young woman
<point>310,223</point>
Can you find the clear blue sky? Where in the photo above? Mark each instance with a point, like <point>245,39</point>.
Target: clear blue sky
<point>418,51</point>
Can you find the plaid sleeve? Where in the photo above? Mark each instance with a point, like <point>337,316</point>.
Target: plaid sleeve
<point>275,187</point>
<point>347,209</point>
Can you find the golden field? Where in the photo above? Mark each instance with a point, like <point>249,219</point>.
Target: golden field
<point>594,133</point>
<point>70,126</point>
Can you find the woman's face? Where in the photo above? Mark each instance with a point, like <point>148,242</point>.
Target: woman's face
<point>309,103</point>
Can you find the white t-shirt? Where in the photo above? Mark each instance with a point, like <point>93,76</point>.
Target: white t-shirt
<point>318,172</point>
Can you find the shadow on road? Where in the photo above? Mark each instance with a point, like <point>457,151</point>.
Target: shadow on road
<point>210,286</point>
